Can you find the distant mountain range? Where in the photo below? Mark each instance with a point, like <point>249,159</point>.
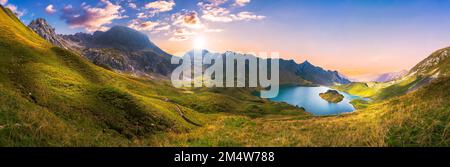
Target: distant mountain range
<point>126,50</point>
<point>319,75</point>
<point>301,74</point>
<point>387,77</point>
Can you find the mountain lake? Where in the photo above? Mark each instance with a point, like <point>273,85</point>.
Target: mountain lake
<point>309,99</point>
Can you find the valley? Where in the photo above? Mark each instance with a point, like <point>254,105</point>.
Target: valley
<point>62,92</point>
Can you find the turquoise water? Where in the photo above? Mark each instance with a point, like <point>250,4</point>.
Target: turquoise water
<point>308,98</point>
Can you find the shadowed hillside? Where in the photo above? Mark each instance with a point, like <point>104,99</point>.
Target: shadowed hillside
<point>53,97</point>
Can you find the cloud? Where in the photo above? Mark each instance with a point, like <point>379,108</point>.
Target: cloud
<point>50,9</point>
<point>248,16</point>
<point>187,19</point>
<point>141,15</point>
<point>132,5</point>
<point>241,2</point>
<point>12,7</point>
<point>153,8</point>
<point>214,30</point>
<point>214,12</point>
<point>149,26</point>
<point>92,18</point>
<point>15,10</point>
<point>182,34</point>
<point>160,6</point>
<point>142,25</point>
<point>217,2</point>
<point>163,27</point>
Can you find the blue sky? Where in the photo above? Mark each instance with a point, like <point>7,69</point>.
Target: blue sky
<point>356,37</point>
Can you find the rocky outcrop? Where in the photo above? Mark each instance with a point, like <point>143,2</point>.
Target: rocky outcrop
<point>436,64</point>
<point>41,27</point>
<point>80,38</point>
<point>332,96</point>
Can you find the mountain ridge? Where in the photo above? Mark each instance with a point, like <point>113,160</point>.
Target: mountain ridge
<point>292,73</point>
<point>319,75</point>
<point>121,49</point>
<point>438,63</point>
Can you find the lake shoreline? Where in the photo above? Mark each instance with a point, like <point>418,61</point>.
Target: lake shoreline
<point>308,97</point>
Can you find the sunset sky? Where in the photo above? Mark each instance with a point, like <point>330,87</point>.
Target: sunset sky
<point>359,38</point>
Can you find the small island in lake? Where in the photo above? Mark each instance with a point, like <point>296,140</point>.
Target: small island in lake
<point>332,96</point>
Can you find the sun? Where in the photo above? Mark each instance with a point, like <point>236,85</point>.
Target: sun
<point>199,42</point>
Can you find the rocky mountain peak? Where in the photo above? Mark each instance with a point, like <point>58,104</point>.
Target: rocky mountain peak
<point>46,31</point>
<point>41,23</point>
<point>123,38</point>
<point>319,75</point>
<point>306,62</point>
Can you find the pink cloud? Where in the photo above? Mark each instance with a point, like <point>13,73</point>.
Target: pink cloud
<point>214,12</point>
<point>142,25</point>
<point>160,6</point>
<point>241,2</point>
<point>15,10</point>
<point>3,2</point>
<point>149,26</point>
<point>50,9</point>
<point>217,2</point>
<point>248,16</point>
<point>153,8</point>
<point>188,19</point>
<point>92,18</point>
<point>132,5</point>
<point>182,34</point>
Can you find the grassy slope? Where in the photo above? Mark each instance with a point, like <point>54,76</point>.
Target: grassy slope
<point>397,115</point>
<point>53,97</point>
<point>417,119</point>
<point>420,118</point>
<point>381,91</point>
<point>360,88</point>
